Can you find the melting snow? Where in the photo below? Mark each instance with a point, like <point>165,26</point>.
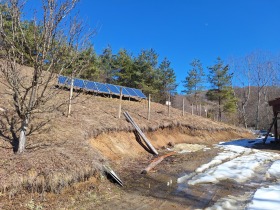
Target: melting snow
<point>240,163</point>
<point>266,198</point>
<point>274,170</point>
<point>231,202</point>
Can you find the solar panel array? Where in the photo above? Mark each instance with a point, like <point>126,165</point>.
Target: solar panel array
<point>101,87</point>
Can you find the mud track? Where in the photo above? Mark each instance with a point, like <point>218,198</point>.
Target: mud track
<point>159,190</point>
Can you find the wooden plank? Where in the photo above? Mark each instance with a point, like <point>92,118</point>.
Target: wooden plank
<point>143,135</point>
<point>129,118</point>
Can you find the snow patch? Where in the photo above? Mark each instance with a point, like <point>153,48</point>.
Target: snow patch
<point>266,198</point>
<point>274,170</point>
<point>231,202</point>
<point>228,165</point>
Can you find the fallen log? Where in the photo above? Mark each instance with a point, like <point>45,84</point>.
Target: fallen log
<point>155,162</point>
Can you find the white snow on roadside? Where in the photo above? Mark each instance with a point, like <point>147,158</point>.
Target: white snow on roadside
<point>227,155</point>
<point>266,199</point>
<point>274,170</point>
<point>227,165</point>
<point>231,202</point>
<point>240,163</point>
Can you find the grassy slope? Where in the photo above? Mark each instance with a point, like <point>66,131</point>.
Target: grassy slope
<point>62,153</point>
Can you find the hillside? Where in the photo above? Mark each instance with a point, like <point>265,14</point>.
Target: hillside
<point>73,149</point>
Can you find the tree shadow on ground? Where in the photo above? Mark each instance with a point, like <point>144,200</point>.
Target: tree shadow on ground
<point>8,129</point>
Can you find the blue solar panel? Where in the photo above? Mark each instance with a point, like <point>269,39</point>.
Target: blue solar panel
<point>139,93</point>
<point>125,92</point>
<point>131,92</point>
<point>62,80</point>
<point>91,86</point>
<point>102,87</point>
<point>113,89</point>
<point>79,83</point>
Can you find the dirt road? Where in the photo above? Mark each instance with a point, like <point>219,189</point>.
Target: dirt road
<point>159,188</point>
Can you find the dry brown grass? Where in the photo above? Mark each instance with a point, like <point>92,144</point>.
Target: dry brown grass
<point>63,155</point>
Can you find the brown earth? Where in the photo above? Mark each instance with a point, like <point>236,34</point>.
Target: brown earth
<point>62,165</point>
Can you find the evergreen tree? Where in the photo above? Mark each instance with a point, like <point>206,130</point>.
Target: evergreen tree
<point>167,80</point>
<point>107,66</point>
<point>127,75</point>
<point>93,72</point>
<point>145,67</point>
<point>222,92</point>
<point>193,81</point>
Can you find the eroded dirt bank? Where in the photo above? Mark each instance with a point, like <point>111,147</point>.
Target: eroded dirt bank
<point>121,145</point>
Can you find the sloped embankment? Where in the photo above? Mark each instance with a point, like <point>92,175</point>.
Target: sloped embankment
<point>72,149</point>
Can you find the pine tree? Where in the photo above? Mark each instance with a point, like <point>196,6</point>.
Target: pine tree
<point>126,75</point>
<point>145,67</point>
<point>222,92</point>
<point>193,81</point>
<point>107,66</point>
<point>167,80</point>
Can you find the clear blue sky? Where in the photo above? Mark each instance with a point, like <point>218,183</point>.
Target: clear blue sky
<point>182,30</point>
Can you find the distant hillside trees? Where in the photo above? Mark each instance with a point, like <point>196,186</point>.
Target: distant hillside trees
<point>220,78</point>
<point>257,80</point>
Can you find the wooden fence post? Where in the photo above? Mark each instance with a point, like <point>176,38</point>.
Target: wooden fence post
<point>183,106</point>
<point>120,105</point>
<point>192,109</point>
<point>169,104</point>
<point>149,107</point>
<point>70,97</point>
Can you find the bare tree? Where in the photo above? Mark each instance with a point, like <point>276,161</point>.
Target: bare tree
<point>243,77</point>
<point>48,47</point>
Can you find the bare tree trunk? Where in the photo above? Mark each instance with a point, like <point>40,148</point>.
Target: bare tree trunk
<point>22,136</point>
<point>244,116</point>
<point>267,113</point>
<point>258,111</point>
